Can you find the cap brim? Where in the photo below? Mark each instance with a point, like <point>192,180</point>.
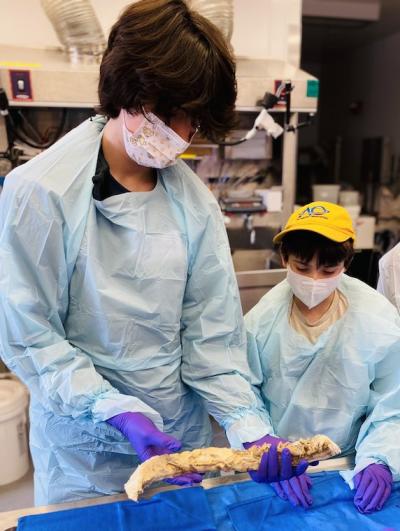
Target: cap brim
<point>333,235</point>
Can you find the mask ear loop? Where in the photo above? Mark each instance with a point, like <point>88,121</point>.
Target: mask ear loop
<point>196,130</point>
<point>125,112</point>
<point>146,116</point>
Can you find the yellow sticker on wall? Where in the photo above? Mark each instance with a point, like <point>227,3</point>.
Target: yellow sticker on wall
<point>19,64</point>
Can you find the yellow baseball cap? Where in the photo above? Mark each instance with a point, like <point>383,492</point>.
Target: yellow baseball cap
<point>328,219</point>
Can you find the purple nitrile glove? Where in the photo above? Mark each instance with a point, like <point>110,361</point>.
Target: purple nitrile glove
<point>148,441</point>
<point>272,469</point>
<point>296,490</point>
<point>373,487</point>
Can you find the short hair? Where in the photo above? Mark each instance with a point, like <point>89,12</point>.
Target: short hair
<point>162,54</point>
<point>306,244</point>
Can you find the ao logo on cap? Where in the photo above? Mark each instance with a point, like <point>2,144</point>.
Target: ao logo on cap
<point>316,211</point>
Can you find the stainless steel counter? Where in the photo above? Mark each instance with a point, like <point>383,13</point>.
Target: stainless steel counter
<point>8,520</point>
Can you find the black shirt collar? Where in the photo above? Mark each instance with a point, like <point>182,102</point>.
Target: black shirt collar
<point>104,183</point>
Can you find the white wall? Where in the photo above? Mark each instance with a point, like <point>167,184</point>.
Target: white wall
<point>262,28</point>
<point>268,29</point>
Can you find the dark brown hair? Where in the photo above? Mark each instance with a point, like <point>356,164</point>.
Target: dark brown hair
<point>304,245</point>
<point>162,54</point>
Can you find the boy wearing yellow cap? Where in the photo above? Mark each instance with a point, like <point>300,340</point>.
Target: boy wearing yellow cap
<point>324,349</point>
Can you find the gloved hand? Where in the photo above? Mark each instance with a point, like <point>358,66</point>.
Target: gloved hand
<point>270,469</point>
<point>148,441</point>
<point>296,490</point>
<point>373,487</point>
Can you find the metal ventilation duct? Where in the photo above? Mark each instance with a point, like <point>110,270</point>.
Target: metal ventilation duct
<point>220,12</point>
<point>77,28</point>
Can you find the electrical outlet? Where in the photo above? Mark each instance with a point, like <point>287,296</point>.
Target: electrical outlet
<point>21,87</point>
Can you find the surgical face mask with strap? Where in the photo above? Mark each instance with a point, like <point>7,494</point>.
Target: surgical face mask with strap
<point>153,144</point>
<point>312,292</point>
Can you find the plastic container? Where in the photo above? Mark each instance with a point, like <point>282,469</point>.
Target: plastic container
<point>14,455</point>
<point>326,192</point>
<point>365,232</point>
<point>272,198</point>
<point>354,211</point>
<point>349,198</point>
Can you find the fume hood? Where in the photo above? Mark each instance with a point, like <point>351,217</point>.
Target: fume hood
<point>45,78</point>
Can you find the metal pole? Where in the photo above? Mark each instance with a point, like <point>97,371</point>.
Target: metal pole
<point>289,169</point>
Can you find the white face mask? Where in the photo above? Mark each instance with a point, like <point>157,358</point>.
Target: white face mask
<point>153,144</point>
<point>312,292</point>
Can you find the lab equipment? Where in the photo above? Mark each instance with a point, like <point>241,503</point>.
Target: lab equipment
<point>126,304</point>
<point>326,192</point>
<point>354,211</point>
<point>328,387</point>
<point>373,487</point>
<point>349,198</point>
<point>77,27</point>
<point>365,232</point>
<point>264,121</point>
<point>220,12</point>
<point>242,204</point>
<point>272,198</point>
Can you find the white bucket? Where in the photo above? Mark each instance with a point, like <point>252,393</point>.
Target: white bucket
<point>14,455</point>
<point>326,192</point>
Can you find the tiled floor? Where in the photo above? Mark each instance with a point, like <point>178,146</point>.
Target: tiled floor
<point>17,495</point>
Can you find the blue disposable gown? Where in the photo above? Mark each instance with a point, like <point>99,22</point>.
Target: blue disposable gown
<point>346,385</point>
<point>126,304</point>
